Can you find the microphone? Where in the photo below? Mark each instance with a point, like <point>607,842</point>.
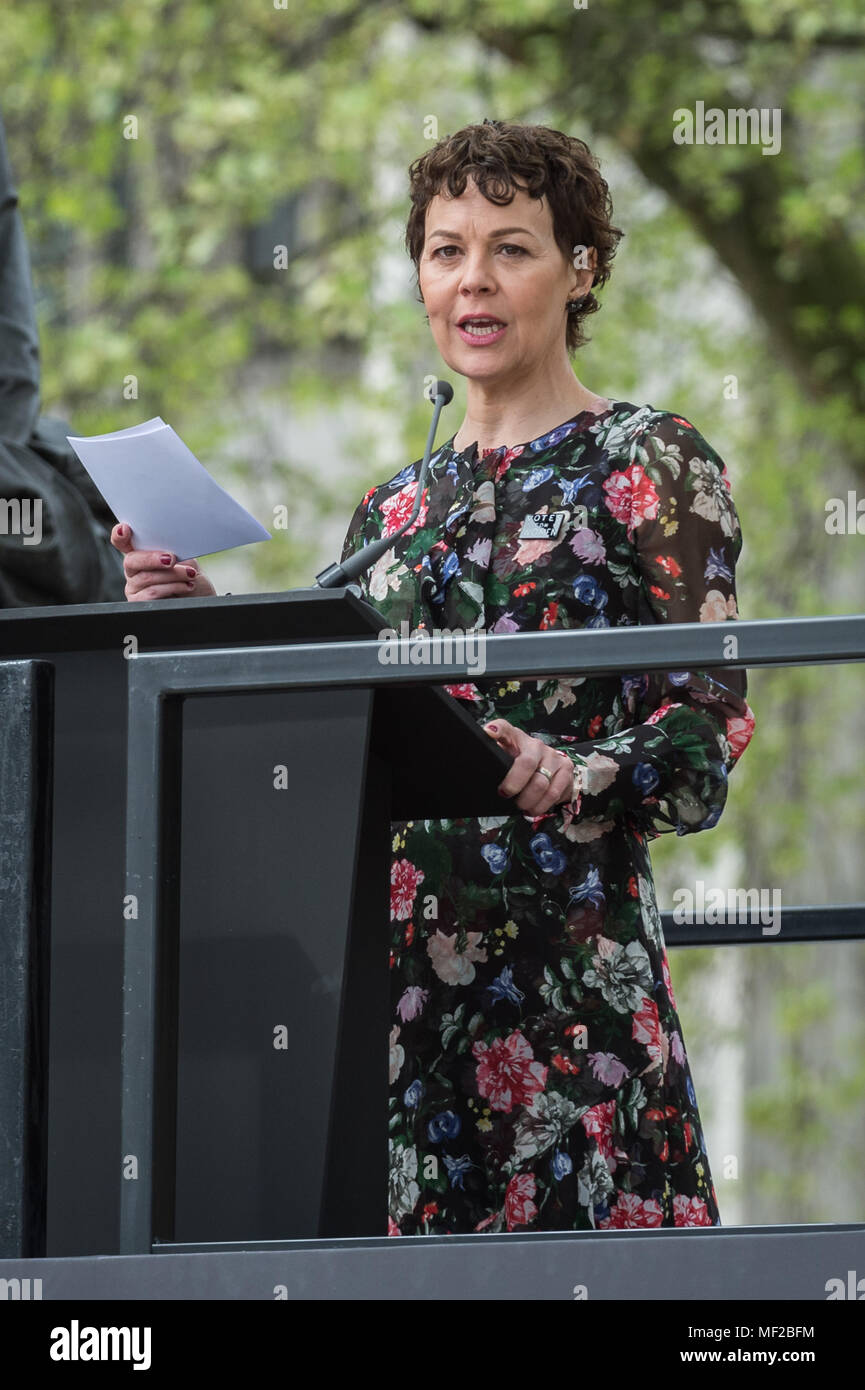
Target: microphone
<point>339,575</point>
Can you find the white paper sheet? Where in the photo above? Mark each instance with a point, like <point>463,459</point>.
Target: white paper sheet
<point>152,481</point>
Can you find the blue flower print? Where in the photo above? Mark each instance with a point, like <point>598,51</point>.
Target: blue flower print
<point>451,567</point>
<point>434,596</point>
<point>562,1165</point>
<point>716,567</point>
<point>636,685</point>
<point>457,1169</point>
<point>589,592</point>
<point>645,777</point>
<point>589,891</point>
<point>453,517</point>
<point>503,987</point>
<point>497,858</point>
<point>446,1125</point>
<point>536,477</point>
<point>552,861</point>
<point>571,488</point>
<point>412,1095</point>
<point>403,479</point>
<point>555,436</point>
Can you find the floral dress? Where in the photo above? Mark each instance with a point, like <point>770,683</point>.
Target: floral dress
<point>538,1073</point>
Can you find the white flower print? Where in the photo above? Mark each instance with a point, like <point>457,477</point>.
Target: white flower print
<point>543,1123</point>
<point>623,974</point>
<point>403,1191</point>
<point>397,1055</point>
<point>712,499</point>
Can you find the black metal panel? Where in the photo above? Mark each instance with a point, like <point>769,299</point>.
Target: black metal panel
<point>26,769</point>
<point>267,880</point>
<point>86,950</point>
<point>354,1196</point>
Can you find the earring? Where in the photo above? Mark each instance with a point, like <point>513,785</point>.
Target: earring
<point>574,304</point>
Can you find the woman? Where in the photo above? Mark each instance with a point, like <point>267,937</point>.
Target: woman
<point>538,1074</point>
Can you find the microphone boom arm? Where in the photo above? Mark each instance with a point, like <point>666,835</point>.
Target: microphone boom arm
<point>338,576</point>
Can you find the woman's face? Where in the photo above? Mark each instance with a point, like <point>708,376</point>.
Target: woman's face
<point>503,263</point>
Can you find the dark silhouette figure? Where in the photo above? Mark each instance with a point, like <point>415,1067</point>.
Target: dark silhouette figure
<point>54,523</point>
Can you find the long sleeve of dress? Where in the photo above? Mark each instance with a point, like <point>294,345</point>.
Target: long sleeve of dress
<point>670,768</point>
<point>354,537</point>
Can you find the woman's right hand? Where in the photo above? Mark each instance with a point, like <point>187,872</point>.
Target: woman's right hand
<point>152,574</point>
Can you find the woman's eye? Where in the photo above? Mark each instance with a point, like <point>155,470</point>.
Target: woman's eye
<point>506,246</point>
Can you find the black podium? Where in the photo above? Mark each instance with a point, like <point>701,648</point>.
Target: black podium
<point>250,927</point>
<point>187,895</point>
<point>257,927</point>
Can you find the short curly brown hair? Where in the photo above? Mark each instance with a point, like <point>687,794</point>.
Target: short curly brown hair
<point>503,157</point>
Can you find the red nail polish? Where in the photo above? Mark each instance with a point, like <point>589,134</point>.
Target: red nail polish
<point>166,559</point>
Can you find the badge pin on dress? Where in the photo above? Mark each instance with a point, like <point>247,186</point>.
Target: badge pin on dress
<point>542,526</point>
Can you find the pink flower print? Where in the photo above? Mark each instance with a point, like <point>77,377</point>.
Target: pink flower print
<point>690,1211</point>
<point>404,880</point>
<point>588,546</point>
<point>632,1213</point>
<point>739,732</point>
<point>452,966</point>
<point>398,509</point>
<point>646,1029</point>
<point>412,1002</point>
<point>630,495</point>
<point>508,1074</point>
<point>608,1068</point>
<point>519,1207</point>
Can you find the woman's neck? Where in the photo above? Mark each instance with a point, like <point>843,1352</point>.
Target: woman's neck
<point>493,423</point>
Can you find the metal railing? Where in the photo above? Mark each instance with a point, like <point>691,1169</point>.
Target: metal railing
<point>159,680</point>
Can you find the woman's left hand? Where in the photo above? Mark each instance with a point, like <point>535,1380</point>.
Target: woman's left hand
<point>537,793</point>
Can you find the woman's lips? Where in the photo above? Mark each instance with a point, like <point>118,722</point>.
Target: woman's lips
<point>481,339</point>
